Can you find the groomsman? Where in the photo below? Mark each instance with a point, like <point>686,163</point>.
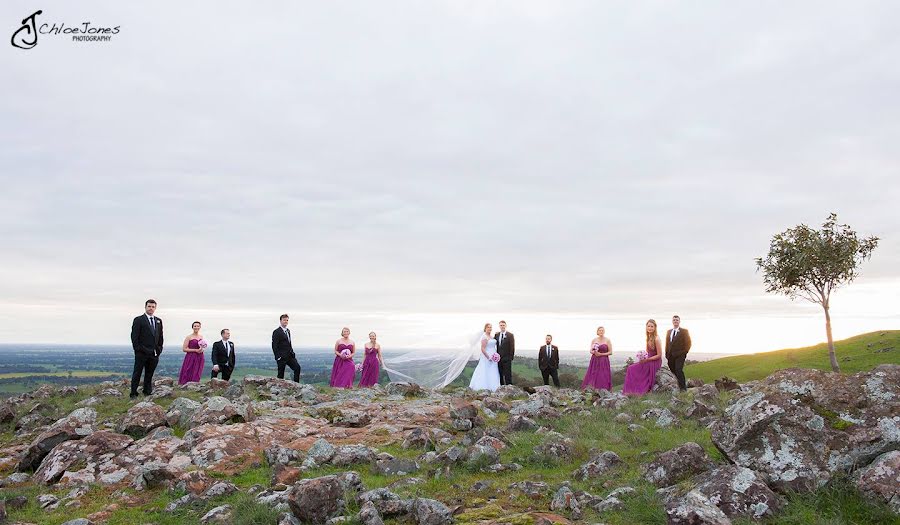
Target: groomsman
<point>506,347</point>
<point>678,344</point>
<point>147,342</point>
<point>548,361</point>
<point>284,350</point>
<point>223,356</point>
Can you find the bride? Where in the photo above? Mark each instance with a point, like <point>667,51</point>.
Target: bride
<point>487,374</point>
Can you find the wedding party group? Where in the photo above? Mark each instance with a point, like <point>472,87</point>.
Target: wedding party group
<point>344,370</point>
<point>493,369</point>
<point>494,366</point>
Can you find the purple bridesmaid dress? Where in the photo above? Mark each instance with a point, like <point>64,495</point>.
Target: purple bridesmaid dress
<point>639,377</point>
<point>370,368</point>
<point>344,370</point>
<point>598,374</point>
<point>192,366</point>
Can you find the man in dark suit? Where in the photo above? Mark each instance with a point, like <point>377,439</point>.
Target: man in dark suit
<point>147,341</point>
<point>678,344</point>
<point>506,347</point>
<point>223,356</point>
<point>548,361</point>
<point>284,350</point>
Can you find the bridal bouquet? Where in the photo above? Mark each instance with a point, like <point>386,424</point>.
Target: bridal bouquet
<point>495,358</point>
<point>642,355</point>
<point>595,347</point>
<point>358,367</point>
<point>345,353</point>
<point>202,344</point>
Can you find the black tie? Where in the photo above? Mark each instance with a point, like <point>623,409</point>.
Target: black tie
<point>288,332</point>
<point>153,325</point>
<point>548,350</point>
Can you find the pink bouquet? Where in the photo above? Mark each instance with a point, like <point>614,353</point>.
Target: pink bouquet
<point>345,353</point>
<point>642,355</point>
<point>495,358</point>
<point>202,344</point>
<point>595,347</point>
<point>358,367</point>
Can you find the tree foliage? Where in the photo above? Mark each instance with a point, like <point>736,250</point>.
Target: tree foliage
<point>810,264</point>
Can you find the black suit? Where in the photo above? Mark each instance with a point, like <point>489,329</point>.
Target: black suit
<point>224,357</point>
<point>284,353</point>
<point>147,342</point>
<point>676,352</point>
<point>549,365</point>
<point>507,351</point>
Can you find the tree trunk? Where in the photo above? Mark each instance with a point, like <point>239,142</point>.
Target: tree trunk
<point>834,363</point>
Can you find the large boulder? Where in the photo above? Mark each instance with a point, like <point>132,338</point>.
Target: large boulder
<point>431,512</point>
<point>880,481</point>
<point>799,427</point>
<point>141,418</point>
<point>180,412</point>
<point>695,509</point>
<point>598,466</point>
<point>388,503</point>
<point>77,425</point>
<point>83,454</point>
<point>677,464</point>
<point>665,381</point>
<point>317,500</point>
<point>220,410</point>
<point>739,492</point>
<point>402,388</point>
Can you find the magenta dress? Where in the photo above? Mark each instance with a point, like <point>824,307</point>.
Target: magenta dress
<point>192,366</point>
<point>598,375</point>
<point>344,370</point>
<point>639,377</point>
<point>370,368</point>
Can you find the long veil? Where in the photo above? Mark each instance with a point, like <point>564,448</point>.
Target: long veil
<point>432,368</point>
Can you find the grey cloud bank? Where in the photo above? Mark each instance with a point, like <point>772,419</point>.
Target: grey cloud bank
<point>420,168</point>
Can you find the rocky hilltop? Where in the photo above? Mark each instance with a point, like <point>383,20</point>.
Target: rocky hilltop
<point>265,450</point>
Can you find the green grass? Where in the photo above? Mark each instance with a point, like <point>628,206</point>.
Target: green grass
<point>835,504</point>
<point>856,354</point>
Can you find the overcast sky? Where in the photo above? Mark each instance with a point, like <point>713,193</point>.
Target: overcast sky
<point>420,168</point>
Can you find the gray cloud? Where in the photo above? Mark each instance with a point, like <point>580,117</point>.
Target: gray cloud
<point>453,159</point>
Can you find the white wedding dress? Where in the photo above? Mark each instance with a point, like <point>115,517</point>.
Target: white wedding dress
<point>487,372</point>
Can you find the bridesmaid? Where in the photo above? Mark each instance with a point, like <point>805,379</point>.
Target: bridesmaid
<point>343,371</point>
<point>598,374</point>
<point>373,362</point>
<point>192,366</point>
<point>640,376</point>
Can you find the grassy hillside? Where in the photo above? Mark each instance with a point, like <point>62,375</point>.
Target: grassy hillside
<point>856,354</point>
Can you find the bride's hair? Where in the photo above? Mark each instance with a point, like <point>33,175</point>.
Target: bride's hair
<point>485,327</point>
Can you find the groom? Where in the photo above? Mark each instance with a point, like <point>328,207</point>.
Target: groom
<point>678,344</point>
<point>506,347</point>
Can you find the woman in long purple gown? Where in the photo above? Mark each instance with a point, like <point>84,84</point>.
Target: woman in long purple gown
<point>343,371</point>
<point>639,377</point>
<point>372,363</point>
<point>598,374</point>
<point>192,366</point>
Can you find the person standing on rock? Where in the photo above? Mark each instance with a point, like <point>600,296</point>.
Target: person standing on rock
<point>147,342</point>
<point>223,356</point>
<point>283,349</point>
<point>506,347</point>
<point>548,361</point>
<point>678,344</point>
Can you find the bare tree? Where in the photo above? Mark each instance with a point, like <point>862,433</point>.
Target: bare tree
<point>810,264</point>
